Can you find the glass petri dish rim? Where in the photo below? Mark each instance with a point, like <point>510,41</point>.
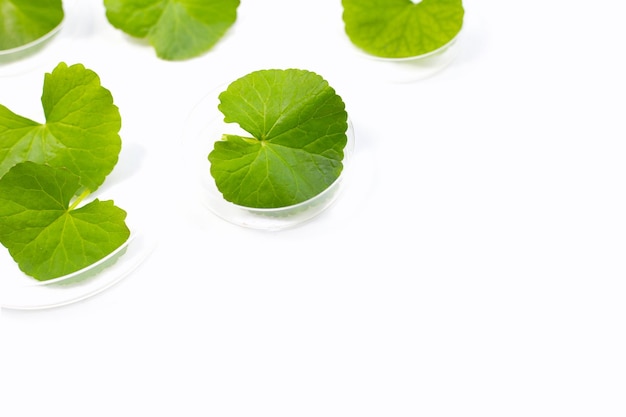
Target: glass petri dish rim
<point>84,270</point>
<point>28,293</point>
<point>37,42</point>
<point>443,48</point>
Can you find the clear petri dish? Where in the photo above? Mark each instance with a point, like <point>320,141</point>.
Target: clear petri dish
<point>22,292</point>
<point>410,69</point>
<point>14,54</point>
<point>37,54</point>
<point>47,50</point>
<point>204,126</point>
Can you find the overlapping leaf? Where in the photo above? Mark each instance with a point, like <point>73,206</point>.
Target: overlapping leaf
<point>24,21</point>
<point>81,132</point>
<point>298,130</point>
<point>46,236</point>
<point>43,166</point>
<point>178,29</point>
<point>402,28</point>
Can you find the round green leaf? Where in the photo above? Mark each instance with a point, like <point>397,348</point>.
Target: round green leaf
<point>25,21</point>
<point>178,29</point>
<point>298,128</point>
<point>402,28</point>
<point>81,132</point>
<point>43,233</point>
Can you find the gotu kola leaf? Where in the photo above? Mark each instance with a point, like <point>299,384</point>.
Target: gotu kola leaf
<point>177,29</point>
<point>402,28</point>
<point>80,133</point>
<point>47,236</point>
<point>25,21</point>
<point>298,128</point>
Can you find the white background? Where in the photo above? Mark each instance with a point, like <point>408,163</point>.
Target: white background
<point>474,265</point>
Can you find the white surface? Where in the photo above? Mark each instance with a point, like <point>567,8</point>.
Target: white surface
<point>475,267</point>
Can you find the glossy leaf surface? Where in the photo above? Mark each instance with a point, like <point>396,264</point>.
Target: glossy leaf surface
<point>177,29</point>
<point>81,132</point>
<point>402,28</point>
<point>25,21</point>
<point>47,236</point>
<point>297,125</point>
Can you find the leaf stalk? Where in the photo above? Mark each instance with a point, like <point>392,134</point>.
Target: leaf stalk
<point>80,198</point>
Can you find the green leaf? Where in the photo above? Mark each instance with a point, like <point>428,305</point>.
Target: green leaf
<point>46,236</point>
<point>25,21</point>
<point>402,28</point>
<point>298,126</point>
<point>178,29</point>
<point>80,133</point>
